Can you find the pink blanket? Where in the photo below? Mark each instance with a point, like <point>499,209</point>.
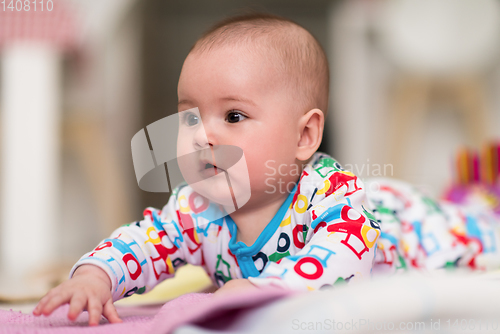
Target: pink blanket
<point>206,310</point>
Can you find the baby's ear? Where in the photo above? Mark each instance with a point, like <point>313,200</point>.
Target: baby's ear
<point>310,133</point>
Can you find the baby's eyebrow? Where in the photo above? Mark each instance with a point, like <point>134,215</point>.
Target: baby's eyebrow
<point>227,98</point>
<point>238,99</point>
<point>183,102</point>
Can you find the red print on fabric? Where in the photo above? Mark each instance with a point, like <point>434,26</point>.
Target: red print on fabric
<point>234,256</point>
<point>101,246</point>
<point>298,229</point>
<point>163,253</point>
<point>192,241</point>
<point>397,194</point>
<point>137,272</point>
<point>320,225</point>
<point>389,255</point>
<point>202,207</point>
<point>340,179</point>
<point>472,243</point>
<point>353,228</point>
<point>315,262</point>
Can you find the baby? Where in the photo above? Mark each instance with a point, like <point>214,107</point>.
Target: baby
<point>260,83</point>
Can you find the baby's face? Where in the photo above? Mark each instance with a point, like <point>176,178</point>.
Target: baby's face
<point>242,102</point>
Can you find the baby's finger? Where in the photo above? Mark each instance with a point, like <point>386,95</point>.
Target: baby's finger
<point>78,302</point>
<point>110,312</point>
<point>37,310</point>
<point>94,307</point>
<point>41,304</point>
<point>53,303</point>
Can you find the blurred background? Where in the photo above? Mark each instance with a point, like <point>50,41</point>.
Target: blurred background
<point>411,82</point>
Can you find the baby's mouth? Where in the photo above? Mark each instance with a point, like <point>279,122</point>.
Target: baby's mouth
<point>209,165</point>
<point>210,169</point>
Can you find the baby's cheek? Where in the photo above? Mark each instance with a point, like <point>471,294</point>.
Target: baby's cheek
<point>274,179</point>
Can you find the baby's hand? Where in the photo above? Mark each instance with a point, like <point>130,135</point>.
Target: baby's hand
<point>235,285</point>
<point>89,288</point>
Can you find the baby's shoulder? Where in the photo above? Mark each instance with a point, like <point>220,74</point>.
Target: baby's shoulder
<point>318,173</point>
<point>325,184</point>
<point>322,166</point>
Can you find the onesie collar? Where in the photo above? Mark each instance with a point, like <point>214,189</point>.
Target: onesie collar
<point>240,248</point>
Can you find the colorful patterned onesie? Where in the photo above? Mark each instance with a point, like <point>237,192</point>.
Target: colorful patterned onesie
<point>420,233</point>
<point>325,232</point>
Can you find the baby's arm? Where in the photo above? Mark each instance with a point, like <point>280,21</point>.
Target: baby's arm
<point>136,258</point>
<point>90,289</point>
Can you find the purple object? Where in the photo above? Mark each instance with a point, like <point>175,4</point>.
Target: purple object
<point>205,310</point>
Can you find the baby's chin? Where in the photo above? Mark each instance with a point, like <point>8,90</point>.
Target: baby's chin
<point>216,190</point>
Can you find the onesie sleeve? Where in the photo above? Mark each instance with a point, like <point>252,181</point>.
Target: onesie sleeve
<point>340,235</point>
<point>139,255</point>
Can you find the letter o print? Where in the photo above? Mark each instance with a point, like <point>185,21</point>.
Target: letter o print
<point>286,239</point>
<point>202,207</point>
<point>303,199</point>
<point>137,272</point>
<point>348,214</point>
<point>369,235</point>
<point>295,232</point>
<point>319,268</point>
<point>156,238</point>
<point>262,256</point>
<point>324,189</point>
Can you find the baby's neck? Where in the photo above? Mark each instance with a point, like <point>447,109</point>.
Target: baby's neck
<point>252,220</point>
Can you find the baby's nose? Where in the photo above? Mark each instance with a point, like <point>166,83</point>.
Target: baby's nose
<point>200,140</point>
<point>203,138</point>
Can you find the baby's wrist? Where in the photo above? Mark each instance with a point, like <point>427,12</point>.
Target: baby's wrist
<point>94,271</point>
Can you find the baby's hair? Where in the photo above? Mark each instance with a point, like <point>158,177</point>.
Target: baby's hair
<point>299,55</point>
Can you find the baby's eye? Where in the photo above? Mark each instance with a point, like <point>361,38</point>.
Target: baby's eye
<point>234,117</point>
<point>191,119</point>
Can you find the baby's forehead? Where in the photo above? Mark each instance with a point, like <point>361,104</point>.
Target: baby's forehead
<point>272,54</point>
<point>246,70</point>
